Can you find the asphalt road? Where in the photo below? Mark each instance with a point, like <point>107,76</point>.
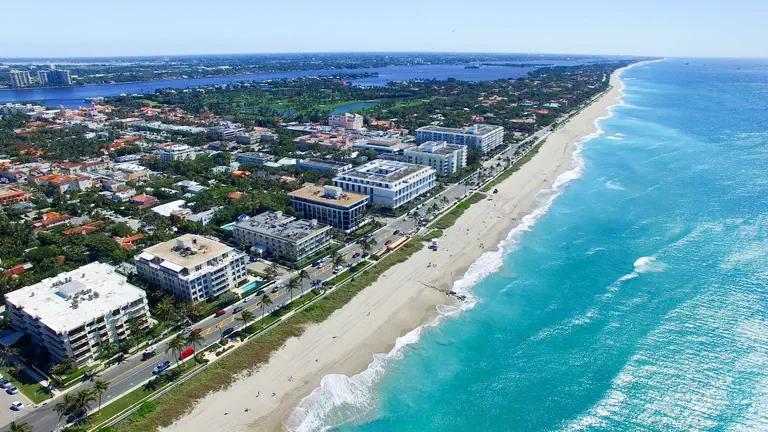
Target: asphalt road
<point>134,372</point>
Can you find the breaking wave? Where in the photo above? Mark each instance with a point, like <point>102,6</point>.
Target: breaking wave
<point>340,398</point>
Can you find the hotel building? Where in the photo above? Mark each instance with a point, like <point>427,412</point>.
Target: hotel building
<point>389,183</point>
<point>73,313</point>
<point>330,205</point>
<point>192,268</point>
<point>481,137</point>
<point>346,121</point>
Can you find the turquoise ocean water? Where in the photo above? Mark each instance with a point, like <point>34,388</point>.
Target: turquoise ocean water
<point>638,301</point>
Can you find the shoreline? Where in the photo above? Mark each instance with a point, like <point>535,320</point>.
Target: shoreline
<point>404,298</point>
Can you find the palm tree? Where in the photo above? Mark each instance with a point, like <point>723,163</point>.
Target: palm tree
<point>176,345</point>
<point>7,353</point>
<point>99,387</point>
<point>264,301</point>
<point>337,258</point>
<point>245,317</point>
<point>76,404</point>
<point>303,275</point>
<point>106,350</point>
<point>195,339</point>
<point>293,284</point>
<point>19,427</point>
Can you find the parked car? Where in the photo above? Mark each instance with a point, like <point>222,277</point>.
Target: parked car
<point>149,352</point>
<point>356,255</point>
<point>7,385</point>
<point>188,351</point>
<point>197,331</point>
<point>12,390</point>
<point>17,406</point>
<point>397,232</point>
<point>388,242</point>
<point>365,254</point>
<point>220,312</point>
<point>237,309</point>
<point>161,367</point>
<point>337,269</point>
<point>186,331</point>
<point>228,331</point>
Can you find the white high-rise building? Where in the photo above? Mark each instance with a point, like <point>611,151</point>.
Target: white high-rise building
<point>445,158</point>
<point>175,152</point>
<point>192,268</point>
<point>389,183</point>
<point>73,313</point>
<point>20,79</point>
<point>481,137</point>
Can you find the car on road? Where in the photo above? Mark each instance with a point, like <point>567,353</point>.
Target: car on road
<point>275,289</point>
<point>188,351</point>
<point>149,352</point>
<point>249,298</point>
<point>356,255</point>
<point>316,264</point>
<point>338,269</point>
<point>228,331</point>
<point>17,406</point>
<point>220,312</point>
<point>237,309</point>
<point>388,242</point>
<point>161,367</point>
<point>197,331</point>
<point>12,390</point>
<point>397,232</point>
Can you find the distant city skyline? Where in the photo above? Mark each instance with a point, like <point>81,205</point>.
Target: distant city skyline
<point>684,28</point>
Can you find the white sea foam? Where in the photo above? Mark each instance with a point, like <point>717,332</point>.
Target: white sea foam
<point>340,398</point>
<point>614,185</point>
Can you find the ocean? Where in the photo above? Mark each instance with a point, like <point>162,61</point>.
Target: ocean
<point>635,297</point>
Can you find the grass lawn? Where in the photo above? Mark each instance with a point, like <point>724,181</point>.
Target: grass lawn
<point>26,385</point>
<point>447,220</point>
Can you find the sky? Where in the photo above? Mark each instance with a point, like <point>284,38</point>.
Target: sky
<point>672,28</point>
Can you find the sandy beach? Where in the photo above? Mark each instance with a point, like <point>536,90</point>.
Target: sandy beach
<point>403,298</point>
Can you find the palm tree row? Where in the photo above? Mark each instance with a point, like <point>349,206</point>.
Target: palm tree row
<point>76,405</point>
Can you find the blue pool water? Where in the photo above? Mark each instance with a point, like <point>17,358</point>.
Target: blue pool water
<point>639,301</point>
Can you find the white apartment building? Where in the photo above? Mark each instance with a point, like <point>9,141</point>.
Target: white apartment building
<point>445,158</point>
<point>346,121</point>
<point>71,314</point>
<point>175,152</point>
<point>389,183</point>
<point>481,137</point>
<point>282,236</point>
<point>192,267</point>
<point>20,79</point>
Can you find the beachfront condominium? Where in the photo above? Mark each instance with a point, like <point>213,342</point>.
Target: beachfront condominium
<point>481,137</point>
<point>445,158</point>
<point>282,236</point>
<point>54,77</point>
<point>330,205</point>
<point>346,121</point>
<point>71,314</point>
<point>20,79</point>
<point>192,267</point>
<point>389,183</point>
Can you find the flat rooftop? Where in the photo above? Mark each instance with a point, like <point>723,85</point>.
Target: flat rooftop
<point>477,129</point>
<point>187,251</point>
<point>435,147</point>
<point>276,224</point>
<point>317,194</point>
<point>384,170</point>
<point>68,300</point>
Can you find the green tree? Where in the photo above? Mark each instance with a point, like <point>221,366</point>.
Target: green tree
<point>99,387</point>
<point>245,317</point>
<point>75,404</point>
<point>293,284</point>
<point>176,346</point>
<point>264,301</point>
<point>195,339</point>
<point>19,427</point>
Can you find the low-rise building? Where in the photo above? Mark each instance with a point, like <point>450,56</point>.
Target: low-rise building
<point>254,158</point>
<point>445,158</point>
<point>191,267</point>
<point>328,165</point>
<point>11,195</point>
<point>346,121</point>
<point>175,152</point>
<point>73,313</point>
<point>381,145</point>
<point>390,184</point>
<point>282,236</point>
<point>481,137</point>
<point>330,205</point>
